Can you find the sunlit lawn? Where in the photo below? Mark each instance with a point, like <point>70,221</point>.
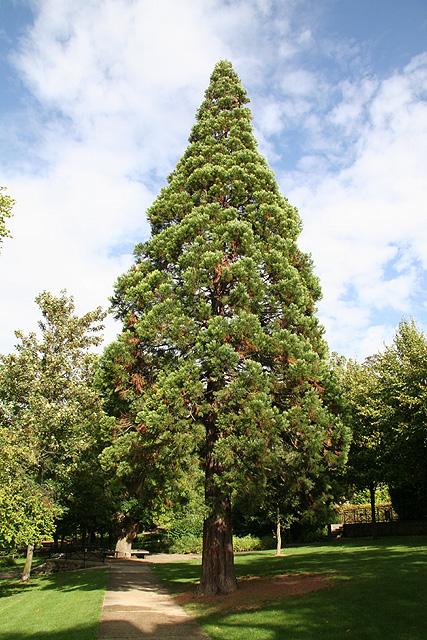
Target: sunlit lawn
<point>60,606</point>
<point>379,592</point>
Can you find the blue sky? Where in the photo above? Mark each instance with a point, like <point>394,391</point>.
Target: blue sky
<point>97,98</point>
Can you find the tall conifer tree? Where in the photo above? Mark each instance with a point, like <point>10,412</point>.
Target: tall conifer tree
<point>221,351</point>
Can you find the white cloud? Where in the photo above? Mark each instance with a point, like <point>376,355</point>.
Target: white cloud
<point>114,86</point>
<point>365,225</point>
<point>299,83</point>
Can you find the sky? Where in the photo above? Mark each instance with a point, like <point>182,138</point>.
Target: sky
<point>97,99</point>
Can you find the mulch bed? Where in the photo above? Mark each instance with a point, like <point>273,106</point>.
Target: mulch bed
<point>251,592</point>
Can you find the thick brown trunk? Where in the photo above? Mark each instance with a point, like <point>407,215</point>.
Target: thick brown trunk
<point>218,576</point>
<point>28,562</point>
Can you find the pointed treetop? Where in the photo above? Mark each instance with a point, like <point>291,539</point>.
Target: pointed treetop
<point>225,90</point>
<point>224,102</point>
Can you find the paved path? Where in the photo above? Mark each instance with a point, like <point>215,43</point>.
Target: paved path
<point>137,606</point>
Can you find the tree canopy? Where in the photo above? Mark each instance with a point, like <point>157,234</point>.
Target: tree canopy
<point>221,351</point>
<point>387,401</point>
<point>49,412</point>
<point>6,204</point>
<point>402,379</point>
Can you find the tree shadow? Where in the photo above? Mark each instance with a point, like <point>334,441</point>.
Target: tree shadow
<point>107,630</point>
<point>80,632</point>
<point>147,627</point>
<point>81,580</point>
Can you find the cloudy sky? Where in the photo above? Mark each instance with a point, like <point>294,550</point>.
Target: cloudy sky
<point>97,98</point>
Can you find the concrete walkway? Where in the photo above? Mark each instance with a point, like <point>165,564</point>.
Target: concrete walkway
<point>137,606</point>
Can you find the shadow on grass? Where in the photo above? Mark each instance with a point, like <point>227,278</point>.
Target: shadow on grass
<point>364,558</point>
<point>64,581</point>
<point>79,632</point>
<point>116,629</point>
<point>379,593</point>
<point>353,609</point>
<point>59,606</point>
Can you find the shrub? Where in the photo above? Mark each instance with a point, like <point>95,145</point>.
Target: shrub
<point>268,542</point>
<point>247,543</point>
<point>7,562</point>
<point>187,544</point>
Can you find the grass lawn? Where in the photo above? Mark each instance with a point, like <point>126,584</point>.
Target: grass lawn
<point>18,562</point>
<point>378,592</point>
<point>60,606</point>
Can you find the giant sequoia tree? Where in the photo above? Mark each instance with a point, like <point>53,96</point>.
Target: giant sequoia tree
<point>221,352</point>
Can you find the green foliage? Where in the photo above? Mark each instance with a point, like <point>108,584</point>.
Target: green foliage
<point>382,495</point>
<point>187,544</point>
<point>6,204</point>
<point>247,543</point>
<point>222,358</point>
<point>27,510</point>
<point>402,373</point>
<point>191,524</point>
<point>49,416</point>
<point>365,467</point>
<point>190,543</point>
<point>7,561</point>
<point>387,400</point>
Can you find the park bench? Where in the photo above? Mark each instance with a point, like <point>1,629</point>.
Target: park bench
<point>139,553</point>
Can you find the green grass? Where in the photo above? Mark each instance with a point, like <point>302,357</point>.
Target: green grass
<point>59,606</point>
<point>379,592</point>
<point>16,563</point>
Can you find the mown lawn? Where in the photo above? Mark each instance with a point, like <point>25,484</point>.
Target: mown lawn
<point>378,592</point>
<point>60,606</point>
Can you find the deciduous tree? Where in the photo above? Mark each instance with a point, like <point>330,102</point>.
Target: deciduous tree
<point>367,459</point>
<point>402,380</point>
<point>6,204</point>
<point>48,405</point>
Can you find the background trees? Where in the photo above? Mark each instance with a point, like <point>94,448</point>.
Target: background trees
<point>221,353</point>
<point>28,511</point>
<point>402,374</point>
<point>387,400</point>
<point>49,409</point>
<point>6,204</point>
<point>366,465</point>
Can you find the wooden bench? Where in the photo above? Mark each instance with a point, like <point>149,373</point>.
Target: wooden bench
<point>139,553</point>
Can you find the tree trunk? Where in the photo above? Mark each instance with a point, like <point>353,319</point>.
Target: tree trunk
<point>124,544</point>
<point>373,510</point>
<point>279,537</point>
<point>218,576</point>
<point>28,563</point>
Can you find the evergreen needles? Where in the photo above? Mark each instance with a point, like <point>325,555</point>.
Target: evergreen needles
<point>221,355</point>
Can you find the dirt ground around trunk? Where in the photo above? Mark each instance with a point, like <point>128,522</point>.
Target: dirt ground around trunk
<point>252,592</point>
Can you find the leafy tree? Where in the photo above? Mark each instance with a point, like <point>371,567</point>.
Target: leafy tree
<point>402,380</point>
<point>366,465</point>
<point>221,351</point>
<point>387,399</point>
<point>47,401</point>
<point>6,204</point>
<point>27,510</point>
